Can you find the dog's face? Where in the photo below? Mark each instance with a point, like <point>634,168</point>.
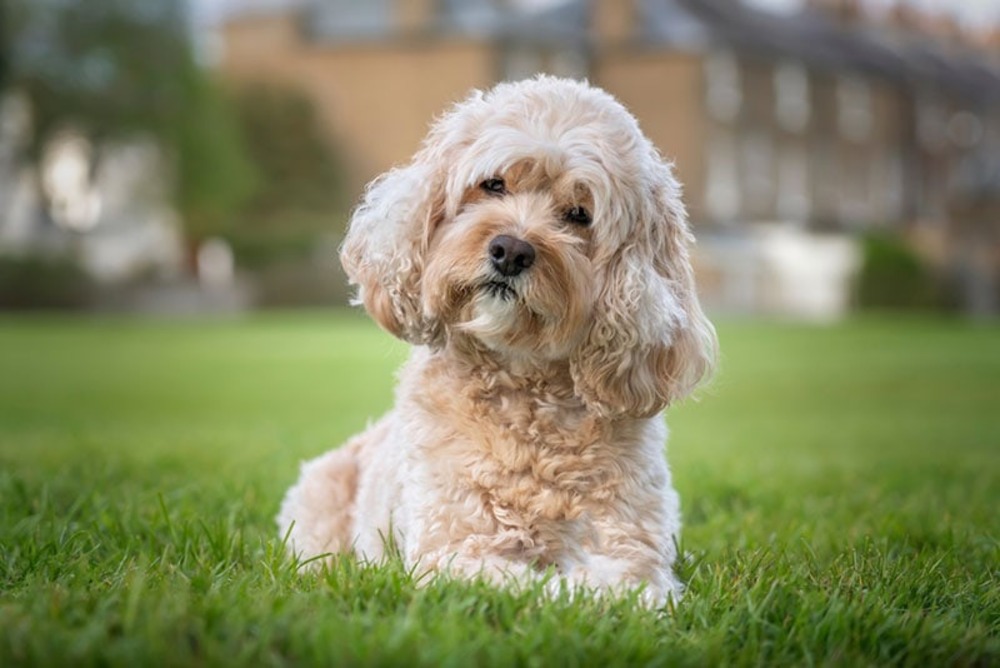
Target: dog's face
<point>512,268</point>
<point>539,222</point>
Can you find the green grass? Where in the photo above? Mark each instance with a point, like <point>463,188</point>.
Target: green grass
<point>841,489</point>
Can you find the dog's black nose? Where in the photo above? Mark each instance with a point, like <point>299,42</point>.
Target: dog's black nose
<point>511,256</point>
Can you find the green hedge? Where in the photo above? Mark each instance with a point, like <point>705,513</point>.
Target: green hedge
<point>892,276</point>
<point>41,283</point>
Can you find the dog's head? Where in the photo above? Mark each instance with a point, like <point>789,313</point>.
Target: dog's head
<point>539,221</point>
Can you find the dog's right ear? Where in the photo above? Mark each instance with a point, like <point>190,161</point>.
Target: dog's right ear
<point>386,246</point>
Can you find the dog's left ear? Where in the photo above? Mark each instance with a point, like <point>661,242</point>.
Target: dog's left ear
<point>649,344</point>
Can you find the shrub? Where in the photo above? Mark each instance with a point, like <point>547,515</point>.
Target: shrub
<point>39,283</point>
<point>892,276</point>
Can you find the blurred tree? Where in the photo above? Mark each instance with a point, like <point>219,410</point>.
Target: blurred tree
<point>286,141</point>
<point>112,69</point>
<point>4,50</point>
<point>300,191</point>
<point>216,175</point>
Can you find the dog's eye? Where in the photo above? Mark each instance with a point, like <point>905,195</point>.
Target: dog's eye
<point>578,216</point>
<point>494,186</point>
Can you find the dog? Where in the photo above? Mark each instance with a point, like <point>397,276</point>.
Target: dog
<point>535,253</point>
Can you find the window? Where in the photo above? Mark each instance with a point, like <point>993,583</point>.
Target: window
<point>523,61</point>
<point>855,116</point>
<point>569,63</point>
<point>354,18</point>
<point>887,186</point>
<point>757,170</point>
<point>476,16</point>
<point>793,185</point>
<point>965,130</point>
<point>722,189</point>
<point>930,124</point>
<point>722,87</point>
<point>791,92</point>
<point>854,197</point>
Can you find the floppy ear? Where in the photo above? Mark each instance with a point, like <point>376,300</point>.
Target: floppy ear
<point>386,247</point>
<point>650,344</point>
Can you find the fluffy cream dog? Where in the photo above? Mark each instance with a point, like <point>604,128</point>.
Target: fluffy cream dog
<point>535,253</point>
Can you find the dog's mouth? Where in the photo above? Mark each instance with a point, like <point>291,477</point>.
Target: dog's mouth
<point>499,289</point>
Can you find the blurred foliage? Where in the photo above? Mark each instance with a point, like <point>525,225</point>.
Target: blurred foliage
<point>4,48</point>
<point>41,282</point>
<point>297,283</point>
<point>112,69</point>
<point>215,173</point>
<point>285,140</point>
<point>300,194</point>
<point>892,276</point>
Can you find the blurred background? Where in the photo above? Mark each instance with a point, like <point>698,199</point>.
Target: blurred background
<point>176,156</point>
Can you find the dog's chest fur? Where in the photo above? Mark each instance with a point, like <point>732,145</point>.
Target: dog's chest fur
<point>524,446</point>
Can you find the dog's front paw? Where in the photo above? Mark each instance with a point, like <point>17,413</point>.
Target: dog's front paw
<point>604,575</point>
<point>492,568</point>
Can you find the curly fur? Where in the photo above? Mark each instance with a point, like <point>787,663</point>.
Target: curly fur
<point>527,432</point>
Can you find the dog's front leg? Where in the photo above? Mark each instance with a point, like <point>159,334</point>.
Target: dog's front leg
<point>496,557</point>
<point>626,558</point>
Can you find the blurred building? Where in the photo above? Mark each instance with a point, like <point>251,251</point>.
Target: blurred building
<point>792,131</point>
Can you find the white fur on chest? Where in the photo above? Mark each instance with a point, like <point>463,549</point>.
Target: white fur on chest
<point>521,468</point>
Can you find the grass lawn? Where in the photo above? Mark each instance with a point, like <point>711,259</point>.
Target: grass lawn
<point>841,491</point>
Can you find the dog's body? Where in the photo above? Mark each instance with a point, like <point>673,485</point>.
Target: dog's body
<point>535,252</point>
